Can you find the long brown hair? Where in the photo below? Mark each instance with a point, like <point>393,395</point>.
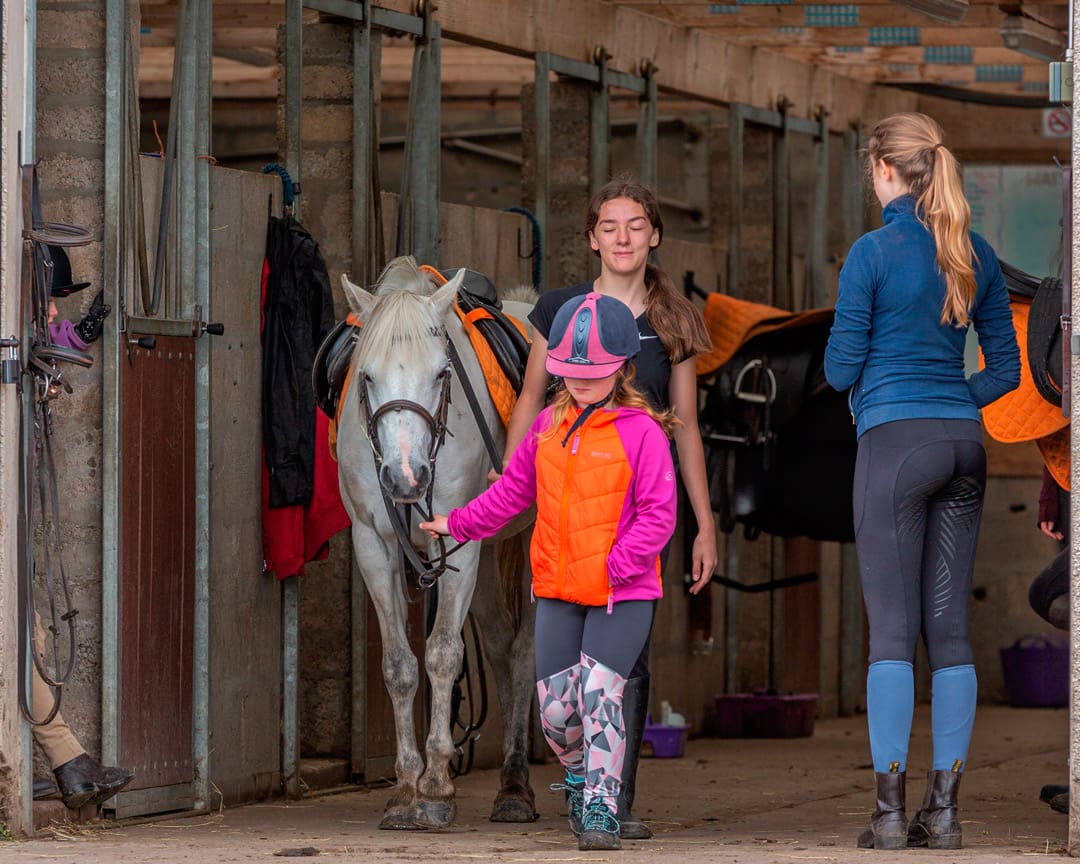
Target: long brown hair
<point>624,395</point>
<point>911,143</point>
<point>675,319</point>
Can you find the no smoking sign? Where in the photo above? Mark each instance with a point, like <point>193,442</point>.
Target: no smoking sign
<point>1056,123</point>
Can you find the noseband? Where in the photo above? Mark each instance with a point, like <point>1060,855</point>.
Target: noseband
<point>436,422</point>
<point>427,571</point>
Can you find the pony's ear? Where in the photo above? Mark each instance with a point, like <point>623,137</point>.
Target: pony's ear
<point>360,301</point>
<point>442,299</point>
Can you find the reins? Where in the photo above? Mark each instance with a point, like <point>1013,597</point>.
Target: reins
<point>427,570</point>
<point>40,382</point>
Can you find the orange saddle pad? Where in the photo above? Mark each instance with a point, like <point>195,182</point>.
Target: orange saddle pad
<point>1022,414</point>
<point>732,322</point>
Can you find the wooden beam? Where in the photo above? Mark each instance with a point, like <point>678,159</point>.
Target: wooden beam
<point>792,15</point>
<point>694,63</point>
<point>788,37</point>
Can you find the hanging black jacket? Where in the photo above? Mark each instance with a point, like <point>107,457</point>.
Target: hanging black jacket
<point>298,312</point>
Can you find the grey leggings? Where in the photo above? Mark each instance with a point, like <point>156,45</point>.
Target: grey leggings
<point>565,631</point>
<point>918,500</point>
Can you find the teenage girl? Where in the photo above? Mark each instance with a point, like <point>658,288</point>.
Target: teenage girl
<point>623,226</point>
<point>908,293</point>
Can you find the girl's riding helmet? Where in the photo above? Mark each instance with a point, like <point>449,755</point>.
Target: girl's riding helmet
<point>591,337</point>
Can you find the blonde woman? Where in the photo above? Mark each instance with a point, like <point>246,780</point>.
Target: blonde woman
<point>908,293</point>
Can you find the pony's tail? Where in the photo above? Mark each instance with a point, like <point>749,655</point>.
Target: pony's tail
<point>510,558</point>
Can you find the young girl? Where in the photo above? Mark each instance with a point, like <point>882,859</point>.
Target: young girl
<point>597,462</point>
<point>623,226</point>
<point>908,292</point>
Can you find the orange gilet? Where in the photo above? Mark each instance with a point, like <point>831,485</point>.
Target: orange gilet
<point>581,492</point>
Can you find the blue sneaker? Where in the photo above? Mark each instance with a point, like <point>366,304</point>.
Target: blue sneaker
<point>600,828</point>
<point>574,787</point>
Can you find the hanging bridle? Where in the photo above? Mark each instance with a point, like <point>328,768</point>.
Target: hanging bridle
<point>427,570</point>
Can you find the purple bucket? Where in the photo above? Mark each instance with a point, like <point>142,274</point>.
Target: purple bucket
<point>1036,671</point>
<point>665,742</point>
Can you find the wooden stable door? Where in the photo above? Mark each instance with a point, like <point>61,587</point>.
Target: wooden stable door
<point>157,574</point>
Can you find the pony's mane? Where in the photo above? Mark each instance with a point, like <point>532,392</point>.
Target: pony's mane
<point>400,321</point>
<point>521,294</point>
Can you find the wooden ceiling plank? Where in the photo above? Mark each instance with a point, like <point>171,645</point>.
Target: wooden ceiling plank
<point>753,15</point>
<point>694,63</point>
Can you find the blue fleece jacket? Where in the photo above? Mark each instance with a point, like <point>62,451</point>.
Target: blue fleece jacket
<point>887,343</point>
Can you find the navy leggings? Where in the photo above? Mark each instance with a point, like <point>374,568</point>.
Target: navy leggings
<point>918,498</point>
<point>565,631</point>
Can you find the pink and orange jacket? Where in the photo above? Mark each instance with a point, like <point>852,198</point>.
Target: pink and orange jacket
<point>605,506</point>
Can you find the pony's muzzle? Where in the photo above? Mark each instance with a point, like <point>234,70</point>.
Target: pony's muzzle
<point>405,486</point>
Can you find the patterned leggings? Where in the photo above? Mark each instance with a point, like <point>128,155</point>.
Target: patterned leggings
<point>583,657</point>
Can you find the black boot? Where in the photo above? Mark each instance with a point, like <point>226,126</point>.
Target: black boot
<point>45,787</point>
<point>634,707</point>
<point>888,826</point>
<point>936,824</point>
<point>84,780</point>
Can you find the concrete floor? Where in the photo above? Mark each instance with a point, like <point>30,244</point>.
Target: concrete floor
<point>739,801</point>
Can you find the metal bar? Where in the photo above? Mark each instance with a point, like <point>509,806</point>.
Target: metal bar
<point>542,170</point>
<point>626,81</point>
<point>294,80</point>
<point>851,190</point>
<point>425,123</point>
<point>163,326</point>
<point>28,156</point>
<point>647,137</point>
<point>290,665</point>
<point>599,129</point>
<point>731,617</point>
<point>782,289</point>
<point>114,276</point>
<point>663,120</point>
<point>575,68</point>
<point>819,222</point>
<point>570,68</point>
<point>187,152</point>
<point>776,119</point>
<point>481,150</point>
<point>358,11</point>
<point>363,147</point>
<point>358,727</point>
<point>200,695</point>
<point>735,195</point>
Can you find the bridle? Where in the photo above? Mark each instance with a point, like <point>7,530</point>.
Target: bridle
<point>427,570</point>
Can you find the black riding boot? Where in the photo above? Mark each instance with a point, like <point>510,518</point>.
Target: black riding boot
<point>888,826</point>
<point>635,706</point>
<point>936,825</point>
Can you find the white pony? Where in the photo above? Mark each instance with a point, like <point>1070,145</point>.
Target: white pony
<point>407,432</point>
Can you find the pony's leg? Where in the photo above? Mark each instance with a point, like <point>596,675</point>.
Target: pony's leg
<point>399,667</point>
<point>442,660</point>
<point>505,615</point>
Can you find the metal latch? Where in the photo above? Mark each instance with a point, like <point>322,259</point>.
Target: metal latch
<point>9,363</point>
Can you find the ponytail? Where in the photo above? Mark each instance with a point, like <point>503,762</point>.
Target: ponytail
<point>675,319</point>
<point>947,215</point>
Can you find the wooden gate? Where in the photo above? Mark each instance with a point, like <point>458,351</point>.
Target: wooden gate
<point>164,695</point>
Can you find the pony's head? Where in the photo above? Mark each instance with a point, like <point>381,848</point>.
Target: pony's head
<point>401,372</point>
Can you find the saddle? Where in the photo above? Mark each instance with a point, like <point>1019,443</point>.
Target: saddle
<point>1032,412</point>
<point>780,443</point>
<point>477,305</point>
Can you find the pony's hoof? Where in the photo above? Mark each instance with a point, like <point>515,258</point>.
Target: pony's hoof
<point>511,809</point>
<point>400,819</point>
<point>435,814</point>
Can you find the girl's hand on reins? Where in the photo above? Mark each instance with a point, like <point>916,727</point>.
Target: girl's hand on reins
<point>493,475</point>
<point>436,526</point>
